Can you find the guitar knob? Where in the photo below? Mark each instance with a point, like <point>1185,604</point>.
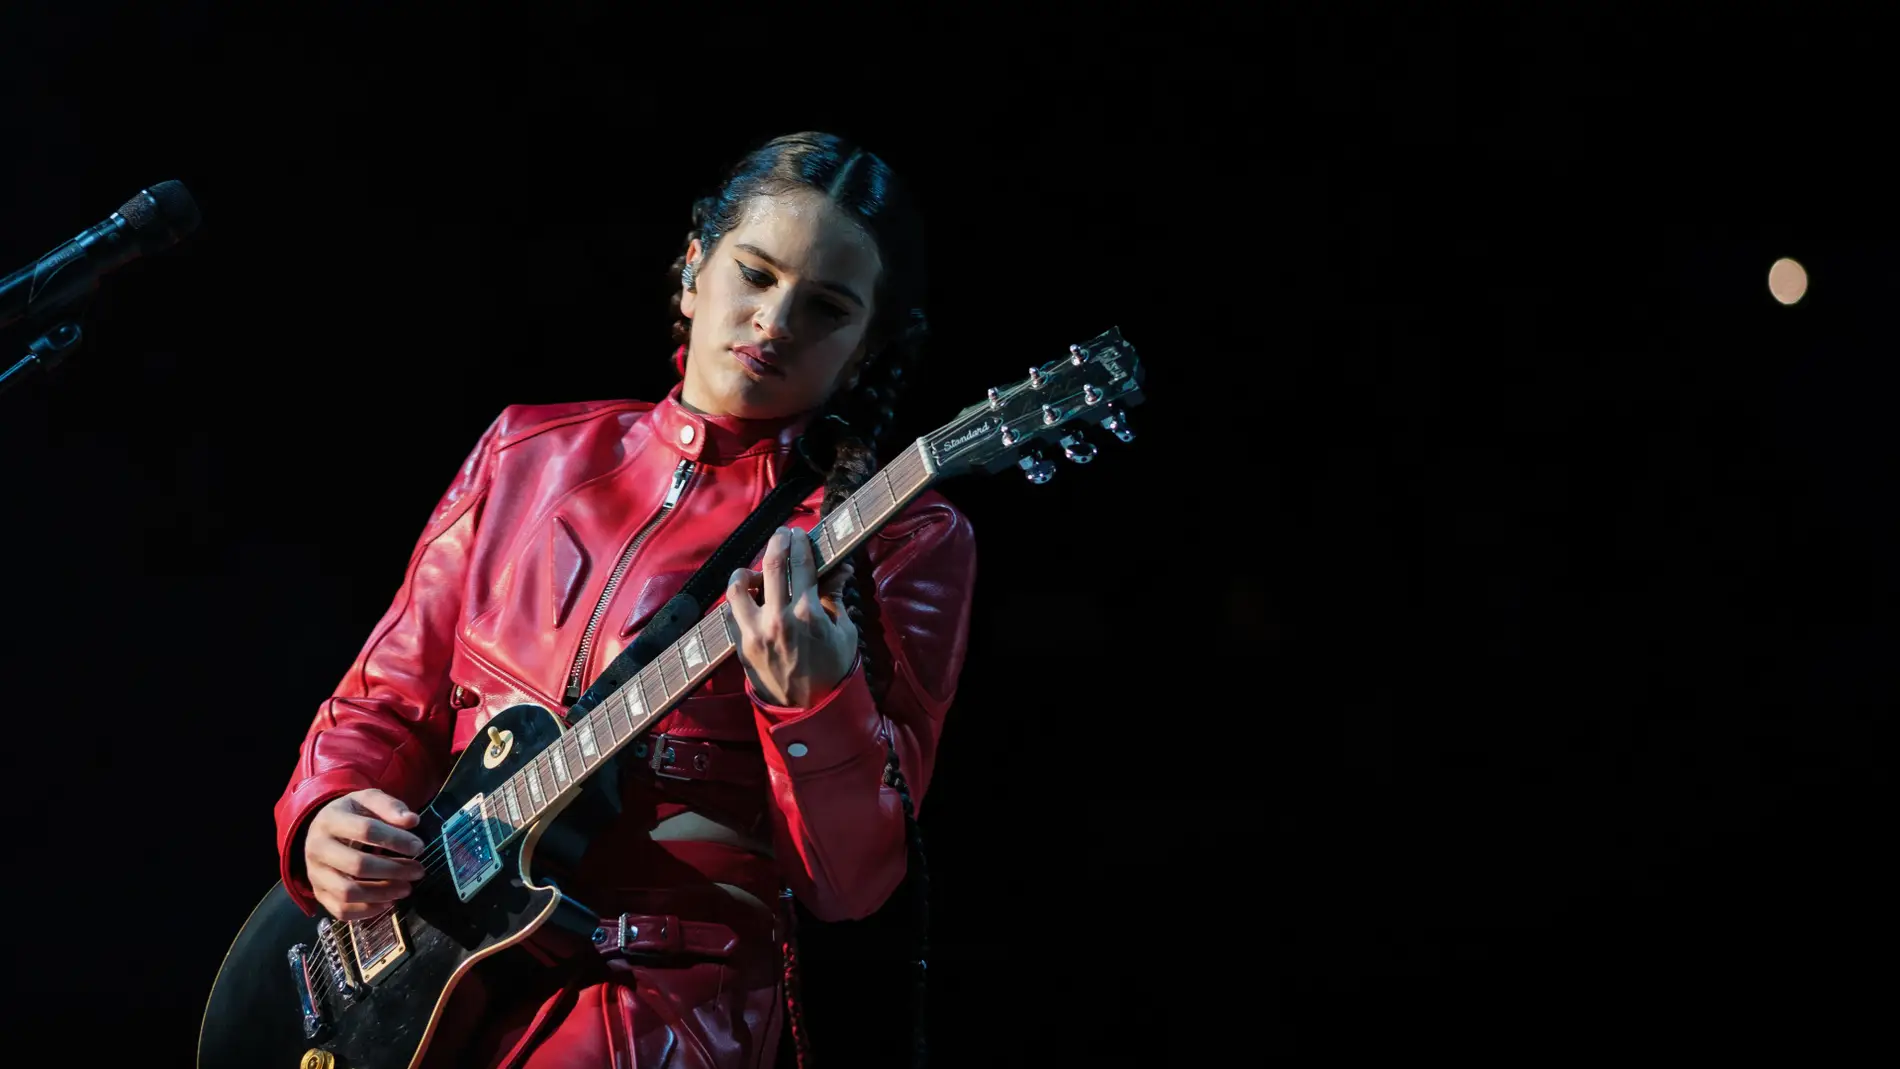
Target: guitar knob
<point>1078,448</point>
<point>1118,423</point>
<point>1035,468</point>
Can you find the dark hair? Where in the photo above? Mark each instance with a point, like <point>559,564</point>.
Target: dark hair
<point>868,191</point>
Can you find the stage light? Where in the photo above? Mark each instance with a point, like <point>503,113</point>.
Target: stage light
<point>1787,280</point>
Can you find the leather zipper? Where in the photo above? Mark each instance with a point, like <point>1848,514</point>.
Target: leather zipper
<point>681,475</point>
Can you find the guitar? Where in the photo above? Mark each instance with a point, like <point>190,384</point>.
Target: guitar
<point>375,994</point>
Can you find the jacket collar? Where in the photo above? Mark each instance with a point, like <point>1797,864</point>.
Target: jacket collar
<point>721,439</point>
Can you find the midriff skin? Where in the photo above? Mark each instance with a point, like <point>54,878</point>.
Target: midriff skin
<point>690,826</point>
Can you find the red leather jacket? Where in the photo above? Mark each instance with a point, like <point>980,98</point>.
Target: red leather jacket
<point>514,574</point>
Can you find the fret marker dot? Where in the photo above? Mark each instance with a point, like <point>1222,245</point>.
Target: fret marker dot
<point>797,749</point>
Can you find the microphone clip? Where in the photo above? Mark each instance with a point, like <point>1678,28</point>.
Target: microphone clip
<point>44,352</point>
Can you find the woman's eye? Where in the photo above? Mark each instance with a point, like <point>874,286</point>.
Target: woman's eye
<point>832,311</point>
<point>756,278</point>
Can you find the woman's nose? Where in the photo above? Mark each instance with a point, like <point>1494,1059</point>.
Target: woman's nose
<point>773,319</point>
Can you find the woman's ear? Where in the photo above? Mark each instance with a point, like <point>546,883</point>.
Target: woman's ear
<point>689,296</point>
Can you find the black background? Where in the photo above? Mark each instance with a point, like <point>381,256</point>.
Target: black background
<point>1478,652</point>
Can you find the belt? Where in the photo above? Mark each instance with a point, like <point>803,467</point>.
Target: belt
<point>663,934</point>
<point>671,757</point>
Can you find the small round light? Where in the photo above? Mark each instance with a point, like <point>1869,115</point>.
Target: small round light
<point>1787,280</point>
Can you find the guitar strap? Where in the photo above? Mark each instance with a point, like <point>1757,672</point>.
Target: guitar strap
<point>685,608</point>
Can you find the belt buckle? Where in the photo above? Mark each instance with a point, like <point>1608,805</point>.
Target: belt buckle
<point>663,755</point>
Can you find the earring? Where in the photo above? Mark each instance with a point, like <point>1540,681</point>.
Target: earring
<point>686,275</point>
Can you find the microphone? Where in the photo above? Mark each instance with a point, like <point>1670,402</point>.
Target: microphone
<point>154,220</point>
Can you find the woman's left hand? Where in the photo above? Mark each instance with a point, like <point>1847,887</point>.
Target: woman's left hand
<point>798,643</point>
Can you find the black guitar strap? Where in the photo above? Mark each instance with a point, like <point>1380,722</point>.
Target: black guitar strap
<point>685,608</point>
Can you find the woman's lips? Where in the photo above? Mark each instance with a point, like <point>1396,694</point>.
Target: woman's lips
<point>756,361</point>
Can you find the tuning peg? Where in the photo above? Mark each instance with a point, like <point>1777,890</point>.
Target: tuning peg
<point>1090,395</point>
<point>1050,416</point>
<point>1035,378</point>
<point>1077,355</point>
<point>996,399</point>
<point>1118,423</point>
<point>1009,436</point>
<point>1035,468</point>
<point>1078,448</point>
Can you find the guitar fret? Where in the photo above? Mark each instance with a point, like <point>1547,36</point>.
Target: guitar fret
<point>672,675</point>
<point>718,641</point>
<point>557,761</point>
<point>612,731</point>
<point>514,804</point>
<point>635,707</point>
<point>827,548</point>
<point>693,651</point>
<point>842,523</point>
<point>535,793</point>
<point>873,504</point>
<point>589,749</point>
<point>652,689</point>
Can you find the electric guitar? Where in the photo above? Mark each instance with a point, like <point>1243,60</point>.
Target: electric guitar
<point>515,810</point>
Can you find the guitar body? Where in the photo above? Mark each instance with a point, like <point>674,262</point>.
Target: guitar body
<point>452,953</point>
<point>399,991</point>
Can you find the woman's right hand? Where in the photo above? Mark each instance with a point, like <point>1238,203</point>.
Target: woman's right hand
<point>351,883</point>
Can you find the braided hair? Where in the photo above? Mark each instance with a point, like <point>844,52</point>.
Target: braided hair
<point>864,188</point>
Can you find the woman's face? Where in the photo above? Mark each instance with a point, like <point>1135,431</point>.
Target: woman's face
<point>779,308</point>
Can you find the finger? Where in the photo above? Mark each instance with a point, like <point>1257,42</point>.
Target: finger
<point>777,560</point>
<point>358,865</point>
<point>358,893</point>
<point>832,585</point>
<point>803,567</point>
<point>385,807</point>
<point>343,887</point>
<point>740,597</point>
<point>369,831</point>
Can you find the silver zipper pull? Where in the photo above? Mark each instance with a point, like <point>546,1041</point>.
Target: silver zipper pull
<point>680,475</point>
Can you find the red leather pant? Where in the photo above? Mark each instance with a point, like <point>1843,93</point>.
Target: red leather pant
<point>698,1012</point>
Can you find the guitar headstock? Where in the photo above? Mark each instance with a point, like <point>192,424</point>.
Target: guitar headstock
<point>1052,409</point>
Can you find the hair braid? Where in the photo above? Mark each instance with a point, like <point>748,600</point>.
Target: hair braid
<point>862,185</point>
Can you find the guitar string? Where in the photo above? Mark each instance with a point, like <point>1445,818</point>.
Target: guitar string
<point>434,857</point>
<point>435,854</point>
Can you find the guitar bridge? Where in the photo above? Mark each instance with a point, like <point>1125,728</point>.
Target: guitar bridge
<point>316,1023</point>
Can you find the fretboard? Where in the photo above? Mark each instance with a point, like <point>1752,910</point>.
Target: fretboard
<point>663,682</point>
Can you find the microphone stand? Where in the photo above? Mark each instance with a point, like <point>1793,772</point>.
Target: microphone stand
<point>45,351</point>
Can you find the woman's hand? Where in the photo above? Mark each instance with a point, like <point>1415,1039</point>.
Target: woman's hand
<point>798,643</point>
<point>350,882</point>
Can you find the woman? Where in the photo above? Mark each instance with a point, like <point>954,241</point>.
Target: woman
<point>800,298</point>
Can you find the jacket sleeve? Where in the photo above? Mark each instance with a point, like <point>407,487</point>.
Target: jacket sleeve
<point>388,725</point>
<point>838,831</point>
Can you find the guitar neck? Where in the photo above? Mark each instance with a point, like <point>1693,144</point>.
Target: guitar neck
<point>667,679</point>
